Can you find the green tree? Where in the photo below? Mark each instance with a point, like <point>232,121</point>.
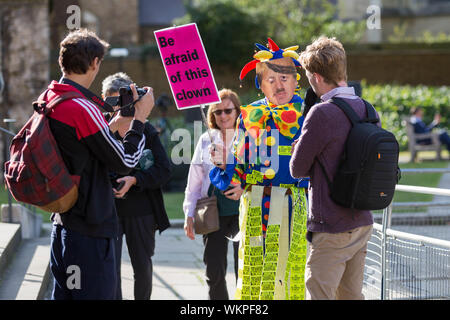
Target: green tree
<point>293,21</point>
<point>399,35</point>
<point>227,31</point>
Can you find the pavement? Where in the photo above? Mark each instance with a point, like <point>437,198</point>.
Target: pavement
<point>178,268</point>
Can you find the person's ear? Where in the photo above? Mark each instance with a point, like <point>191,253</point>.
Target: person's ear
<point>318,77</point>
<point>95,63</point>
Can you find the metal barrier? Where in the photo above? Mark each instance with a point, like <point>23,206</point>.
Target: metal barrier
<point>402,265</point>
<point>7,137</point>
<point>424,218</point>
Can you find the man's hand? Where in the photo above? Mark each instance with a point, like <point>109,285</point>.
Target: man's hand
<point>218,155</point>
<point>145,105</point>
<point>129,182</point>
<point>234,193</point>
<point>437,118</point>
<point>189,228</point>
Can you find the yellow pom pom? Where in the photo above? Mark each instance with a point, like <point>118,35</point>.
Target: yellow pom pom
<point>291,54</point>
<point>270,141</point>
<point>269,174</point>
<point>263,55</point>
<point>298,76</point>
<point>293,48</point>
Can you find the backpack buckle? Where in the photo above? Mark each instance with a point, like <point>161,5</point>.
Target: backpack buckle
<point>39,107</point>
<point>369,120</point>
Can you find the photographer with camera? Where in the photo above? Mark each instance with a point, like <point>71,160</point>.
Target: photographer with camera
<point>138,195</point>
<point>82,258</point>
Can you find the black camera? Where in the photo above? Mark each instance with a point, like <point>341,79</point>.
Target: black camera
<point>116,185</point>
<point>126,99</point>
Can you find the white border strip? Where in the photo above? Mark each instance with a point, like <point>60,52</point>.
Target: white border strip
<point>413,237</point>
<point>426,190</point>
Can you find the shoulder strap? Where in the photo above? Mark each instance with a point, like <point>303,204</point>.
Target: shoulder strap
<point>325,173</point>
<point>352,115</point>
<point>42,107</point>
<point>65,96</point>
<point>345,107</point>
<point>371,114</point>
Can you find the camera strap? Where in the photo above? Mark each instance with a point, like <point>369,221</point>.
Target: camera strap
<point>88,94</point>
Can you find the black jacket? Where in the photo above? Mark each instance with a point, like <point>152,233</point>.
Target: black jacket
<point>146,196</point>
<point>90,151</point>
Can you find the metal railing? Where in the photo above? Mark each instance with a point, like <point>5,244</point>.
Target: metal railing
<point>401,265</point>
<point>418,217</point>
<point>7,137</point>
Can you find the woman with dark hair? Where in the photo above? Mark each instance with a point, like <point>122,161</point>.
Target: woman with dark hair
<point>222,122</point>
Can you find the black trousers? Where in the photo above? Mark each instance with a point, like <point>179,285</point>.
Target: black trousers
<point>140,237</point>
<point>215,256</point>
<point>445,139</point>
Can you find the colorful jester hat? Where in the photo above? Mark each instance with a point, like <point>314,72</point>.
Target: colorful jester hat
<point>266,54</point>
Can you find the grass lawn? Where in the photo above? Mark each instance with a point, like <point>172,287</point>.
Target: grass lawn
<point>4,200</point>
<point>173,201</point>
<point>419,179</point>
<point>422,179</point>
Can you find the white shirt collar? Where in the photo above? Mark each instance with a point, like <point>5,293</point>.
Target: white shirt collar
<point>340,92</point>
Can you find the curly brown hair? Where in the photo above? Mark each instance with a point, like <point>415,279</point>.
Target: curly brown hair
<point>79,49</point>
<point>326,56</point>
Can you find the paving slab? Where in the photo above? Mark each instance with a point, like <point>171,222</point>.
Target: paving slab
<point>10,237</point>
<point>178,269</point>
<point>37,276</point>
<point>27,264</point>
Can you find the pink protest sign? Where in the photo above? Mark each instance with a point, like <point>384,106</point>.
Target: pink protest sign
<point>187,67</point>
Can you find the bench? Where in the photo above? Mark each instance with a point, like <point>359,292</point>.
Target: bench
<point>415,147</point>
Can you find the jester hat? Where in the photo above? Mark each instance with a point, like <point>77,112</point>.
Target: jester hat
<point>271,52</point>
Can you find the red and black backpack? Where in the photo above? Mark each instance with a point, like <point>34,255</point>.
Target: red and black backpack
<point>36,173</point>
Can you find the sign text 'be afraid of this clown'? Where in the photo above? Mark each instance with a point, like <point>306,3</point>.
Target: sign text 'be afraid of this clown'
<point>187,66</point>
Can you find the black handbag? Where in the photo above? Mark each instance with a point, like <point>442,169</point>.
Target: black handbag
<point>206,216</point>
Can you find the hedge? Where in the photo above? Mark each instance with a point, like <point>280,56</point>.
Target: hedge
<point>394,102</point>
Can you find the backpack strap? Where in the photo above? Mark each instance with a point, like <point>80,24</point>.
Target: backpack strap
<point>345,107</point>
<point>41,106</point>
<point>330,184</point>
<point>371,114</point>
<point>354,119</point>
<point>352,115</point>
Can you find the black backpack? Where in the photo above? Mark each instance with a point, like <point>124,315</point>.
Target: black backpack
<point>368,170</point>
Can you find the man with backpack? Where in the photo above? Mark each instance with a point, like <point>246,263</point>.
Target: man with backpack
<point>337,235</point>
<point>83,262</point>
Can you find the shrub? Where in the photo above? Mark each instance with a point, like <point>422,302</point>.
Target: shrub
<point>394,102</point>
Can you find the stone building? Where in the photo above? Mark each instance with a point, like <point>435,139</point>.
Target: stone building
<point>412,17</point>
<point>24,58</point>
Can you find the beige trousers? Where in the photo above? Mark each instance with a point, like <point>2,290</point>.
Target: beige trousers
<point>335,265</point>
